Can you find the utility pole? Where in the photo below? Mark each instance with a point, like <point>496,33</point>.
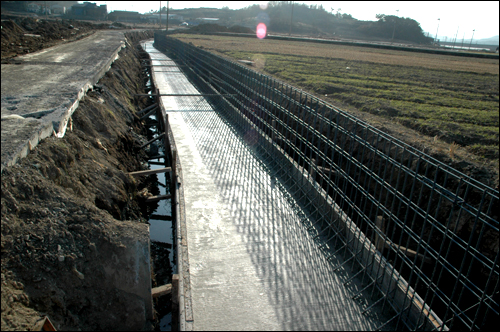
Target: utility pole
<point>454,40</point>
<point>394,30</point>
<point>436,40</point>
<point>160,15</point>
<point>167,19</point>
<point>291,20</point>
<point>471,38</point>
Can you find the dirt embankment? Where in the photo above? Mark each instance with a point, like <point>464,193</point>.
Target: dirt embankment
<point>27,35</point>
<point>67,207</point>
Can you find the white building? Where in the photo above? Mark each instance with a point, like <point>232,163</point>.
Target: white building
<point>58,9</point>
<point>33,7</point>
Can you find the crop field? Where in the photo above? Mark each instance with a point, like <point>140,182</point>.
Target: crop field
<point>449,99</point>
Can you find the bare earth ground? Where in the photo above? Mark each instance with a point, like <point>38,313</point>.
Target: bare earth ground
<point>68,205</point>
<point>484,171</point>
<point>28,35</point>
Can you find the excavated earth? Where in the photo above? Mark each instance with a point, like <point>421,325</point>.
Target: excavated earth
<point>21,35</point>
<point>68,206</point>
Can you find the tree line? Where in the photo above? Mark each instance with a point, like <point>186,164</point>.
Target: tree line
<point>299,18</point>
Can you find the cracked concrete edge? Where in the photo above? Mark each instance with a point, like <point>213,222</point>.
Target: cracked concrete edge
<point>60,127</point>
<point>44,131</point>
<point>61,124</point>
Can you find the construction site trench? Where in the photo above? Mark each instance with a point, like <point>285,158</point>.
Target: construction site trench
<point>80,242</point>
<point>74,222</point>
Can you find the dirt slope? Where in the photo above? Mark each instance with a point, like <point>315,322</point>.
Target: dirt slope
<point>67,207</point>
<point>28,35</point>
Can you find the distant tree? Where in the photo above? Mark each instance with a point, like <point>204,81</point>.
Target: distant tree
<point>313,19</point>
<point>404,28</point>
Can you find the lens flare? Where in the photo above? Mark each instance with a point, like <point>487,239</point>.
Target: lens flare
<point>261,31</point>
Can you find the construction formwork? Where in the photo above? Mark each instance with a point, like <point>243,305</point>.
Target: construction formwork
<point>421,236</point>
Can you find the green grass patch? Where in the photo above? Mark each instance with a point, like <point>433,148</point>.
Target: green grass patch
<point>461,107</point>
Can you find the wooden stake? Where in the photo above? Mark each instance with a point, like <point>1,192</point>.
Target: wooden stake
<point>157,198</point>
<point>156,157</point>
<point>173,181</point>
<point>161,290</point>
<point>147,109</point>
<point>148,113</point>
<point>161,217</point>
<point>379,241</point>
<point>152,140</point>
<point>175,302</point>
<point>151,171</point>
<point>166,142</point>
<point>156,163</point>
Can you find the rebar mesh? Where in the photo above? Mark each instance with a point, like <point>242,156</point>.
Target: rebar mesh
<point>422,236</point>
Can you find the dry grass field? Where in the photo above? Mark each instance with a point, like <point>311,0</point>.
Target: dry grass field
<point>447,106</point>
<point>222,44</point>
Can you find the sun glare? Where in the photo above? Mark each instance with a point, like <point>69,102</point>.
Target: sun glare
<point>261,31</point>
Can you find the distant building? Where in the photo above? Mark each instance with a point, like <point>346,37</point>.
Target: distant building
<point>124,16</point>
<point>33,7</point>
<point>207,20</point>
<point>44,10</point>
<point>175,17</point>
<point>58,9</point>
<point>90,11</point>
<point>155,18</point>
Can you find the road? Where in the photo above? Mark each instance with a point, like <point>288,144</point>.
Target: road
<point>40,91</point>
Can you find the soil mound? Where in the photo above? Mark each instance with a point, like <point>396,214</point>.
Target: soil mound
<point>240,29</point>
<point>210,28</point>
<point>68,207</point>
<point>27,35</point>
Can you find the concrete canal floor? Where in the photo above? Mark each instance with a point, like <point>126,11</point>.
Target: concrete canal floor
<point>253,265</point>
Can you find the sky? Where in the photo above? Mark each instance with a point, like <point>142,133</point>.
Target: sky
<point>464,16</point>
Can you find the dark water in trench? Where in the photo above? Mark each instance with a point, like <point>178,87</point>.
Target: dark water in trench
<point>162,242</point>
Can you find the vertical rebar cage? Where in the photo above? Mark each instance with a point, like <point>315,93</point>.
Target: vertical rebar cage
<point>422,236</point>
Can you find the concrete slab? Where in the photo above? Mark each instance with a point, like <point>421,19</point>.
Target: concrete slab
<point>253,263</point>
<point>19,134</point>
<point>47,86</point>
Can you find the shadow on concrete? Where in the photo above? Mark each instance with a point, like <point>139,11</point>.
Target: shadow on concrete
<point>288,257</point>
